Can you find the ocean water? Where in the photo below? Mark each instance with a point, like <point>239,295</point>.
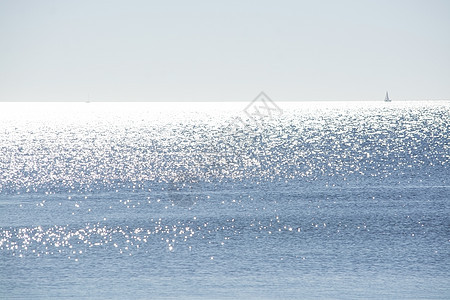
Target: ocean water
<point>341,200</point>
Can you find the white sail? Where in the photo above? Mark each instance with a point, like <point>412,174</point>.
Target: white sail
<point>386,99</point>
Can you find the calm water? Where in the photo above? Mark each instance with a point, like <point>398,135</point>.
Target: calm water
<point>344,200</point>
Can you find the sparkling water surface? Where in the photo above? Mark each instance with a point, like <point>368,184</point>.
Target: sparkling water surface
<point>160,201</point>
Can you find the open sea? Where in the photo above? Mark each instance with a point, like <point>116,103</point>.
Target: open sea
<point>327,200</point>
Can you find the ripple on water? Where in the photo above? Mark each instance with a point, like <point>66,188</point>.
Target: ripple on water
<point>320,192</point>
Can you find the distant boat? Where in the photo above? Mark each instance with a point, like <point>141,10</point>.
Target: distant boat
<point>386,99</point>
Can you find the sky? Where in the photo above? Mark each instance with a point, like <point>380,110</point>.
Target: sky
<point>98,50</point>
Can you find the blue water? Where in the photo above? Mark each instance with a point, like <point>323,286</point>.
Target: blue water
<point>147,201</point>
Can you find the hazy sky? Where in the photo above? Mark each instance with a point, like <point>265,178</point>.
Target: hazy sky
<point>64,50</point>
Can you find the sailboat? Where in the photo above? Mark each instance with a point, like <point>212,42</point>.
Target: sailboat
<point>386,99</point>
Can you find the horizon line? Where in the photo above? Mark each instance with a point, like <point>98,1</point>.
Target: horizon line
<point>211,101</point>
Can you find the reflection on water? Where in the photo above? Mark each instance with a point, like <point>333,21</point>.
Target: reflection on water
<point>326,200</point>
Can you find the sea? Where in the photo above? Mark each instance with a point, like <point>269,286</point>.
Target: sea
<point>269,200</point>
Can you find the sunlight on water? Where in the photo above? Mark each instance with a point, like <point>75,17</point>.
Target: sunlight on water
<point>151,143</point>
<point>340,189</point>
